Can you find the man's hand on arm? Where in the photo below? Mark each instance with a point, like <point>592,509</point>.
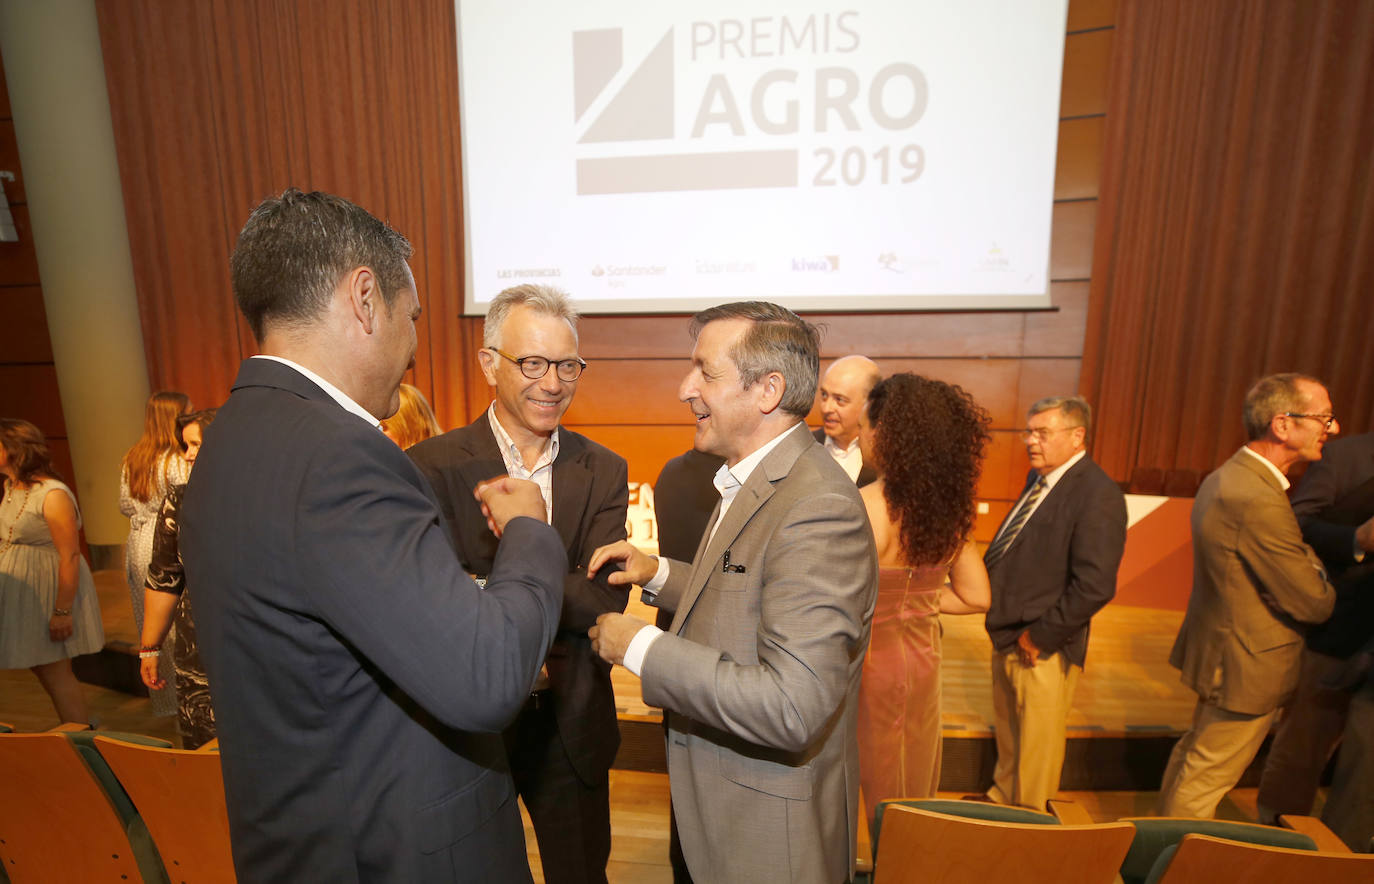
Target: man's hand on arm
<point>504,498</point>
<point>1026,649</point>
<point>638,568</point>
<point>612,634</point>
<point>1364,536</point>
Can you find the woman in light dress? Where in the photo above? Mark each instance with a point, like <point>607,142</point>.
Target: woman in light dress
<point>150,469</point>
<point>49,612</point>
<point>926,440</point>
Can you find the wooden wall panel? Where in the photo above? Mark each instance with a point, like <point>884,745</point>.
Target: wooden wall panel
<point>18,263</point>
<point>1090,14</point>
<point>25,336</point>
<point>1071,240</point>
<point>1078,167</point>
<point>1059,333</point>
<point>1087,63</point>
<point>30,392</point>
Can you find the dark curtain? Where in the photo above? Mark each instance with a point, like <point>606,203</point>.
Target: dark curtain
<point>1235,235</point>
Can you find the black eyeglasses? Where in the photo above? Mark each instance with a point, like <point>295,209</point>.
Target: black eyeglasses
<point>1326,419</point>
<point>535,367</point>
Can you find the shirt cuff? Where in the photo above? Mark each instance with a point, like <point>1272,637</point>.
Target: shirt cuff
<point>648,591</point>
<point>639,646</point>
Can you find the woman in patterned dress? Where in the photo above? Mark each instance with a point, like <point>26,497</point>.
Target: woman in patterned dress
<point>166,603</point>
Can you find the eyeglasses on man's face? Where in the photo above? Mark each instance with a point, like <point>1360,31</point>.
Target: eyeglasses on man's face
<point>1327,420</point>
<point>535,367</point>
<point>1042,434</point>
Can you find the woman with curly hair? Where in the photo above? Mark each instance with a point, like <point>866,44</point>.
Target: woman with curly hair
<point>926,439</point>
<point>150,468</point>
<point>413,421</point>
<point>49,612</point>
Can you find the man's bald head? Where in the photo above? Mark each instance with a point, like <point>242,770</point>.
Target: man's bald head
<point>844,389</point>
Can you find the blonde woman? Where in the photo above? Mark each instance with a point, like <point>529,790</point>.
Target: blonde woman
<point>151,468</point>
<point>413,421</point>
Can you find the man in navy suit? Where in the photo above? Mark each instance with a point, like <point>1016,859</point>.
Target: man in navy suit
<point>1053,566</point>
<point>361,679</point>
<point>844,390</point>
<point>565,739</point>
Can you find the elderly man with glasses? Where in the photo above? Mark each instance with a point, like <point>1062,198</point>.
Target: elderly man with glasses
<point>1052,565</point>
<point>561,745</point>
<point>1255,586</point>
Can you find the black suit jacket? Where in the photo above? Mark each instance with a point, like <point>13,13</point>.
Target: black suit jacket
<point>1335,496</point>
<point>867,474</point>
<point>360,679</point>
<point>590,498</point>
<point>1061,569</point>
<point>685,496</point>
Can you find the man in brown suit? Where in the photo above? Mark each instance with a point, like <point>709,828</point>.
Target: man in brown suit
<point>1255,585</point>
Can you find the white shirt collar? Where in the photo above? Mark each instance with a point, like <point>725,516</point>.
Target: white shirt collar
<point>334,392</point>
<point>836,451</point>
<point>729,480</point>
<point>1278,473</point>
<point>1058,472</point>
<point>510,452</point>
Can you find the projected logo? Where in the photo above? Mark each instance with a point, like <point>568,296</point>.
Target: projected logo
<point>615,105</point>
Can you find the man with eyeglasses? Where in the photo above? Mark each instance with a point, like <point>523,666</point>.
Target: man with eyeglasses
<point>561,745</point>
<point>1053,566</point>
<point>1255,585</point>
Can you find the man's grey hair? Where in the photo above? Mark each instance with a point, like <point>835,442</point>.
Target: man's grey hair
<point>543,299</point>
<point>1272,396</point>
<point>780,341</point>
<point>1075,409</point>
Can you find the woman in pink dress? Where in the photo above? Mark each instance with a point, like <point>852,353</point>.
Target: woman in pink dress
<point>926,439</point>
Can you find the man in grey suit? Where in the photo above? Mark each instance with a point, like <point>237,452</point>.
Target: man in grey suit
<point>1255,585</point>
<point>759,671</point>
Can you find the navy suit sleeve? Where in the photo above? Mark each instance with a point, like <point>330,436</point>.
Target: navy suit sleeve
<point>1099,536</point>
<point>467,655</point>
<point>1321,485</point>
<point>584,600</point>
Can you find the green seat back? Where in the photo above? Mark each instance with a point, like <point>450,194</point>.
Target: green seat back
<point>1154,836</point>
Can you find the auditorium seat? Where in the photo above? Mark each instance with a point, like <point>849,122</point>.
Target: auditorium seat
<point>1206,858</point>
<point>180,796</point>
<point>918,845</point>
<point>1155,835</point>
<point>1147,480</point>
<point>1181,483</point>
<point>61,821</point>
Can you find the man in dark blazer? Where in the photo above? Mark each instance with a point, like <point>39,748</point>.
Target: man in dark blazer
<point>1256,585</point>
<point>844,389</point>
<point>360,678</point>
<point>565,739</point>
<point>1334,504</point>
<point>1052,565</point>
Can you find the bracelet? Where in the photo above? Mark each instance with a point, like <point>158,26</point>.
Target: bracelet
<point>142,648</point>
<point>62,612</point>
<point>144,655</point>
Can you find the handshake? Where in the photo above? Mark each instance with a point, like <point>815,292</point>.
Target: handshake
<point>504,498</point>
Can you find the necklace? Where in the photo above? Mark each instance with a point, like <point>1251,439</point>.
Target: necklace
<point>9,537</point>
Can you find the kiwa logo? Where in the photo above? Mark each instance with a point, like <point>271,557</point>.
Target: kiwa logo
<point>805,92</point>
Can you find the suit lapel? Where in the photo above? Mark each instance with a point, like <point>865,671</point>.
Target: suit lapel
<point>572,482</point>
<point>757,489</point>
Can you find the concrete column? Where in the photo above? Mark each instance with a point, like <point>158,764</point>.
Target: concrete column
<point>61,108</point>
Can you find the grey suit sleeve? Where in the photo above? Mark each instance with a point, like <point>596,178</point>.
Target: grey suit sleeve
<point>818,579</point>
<point>1095,548</point>
<point>390,585</point>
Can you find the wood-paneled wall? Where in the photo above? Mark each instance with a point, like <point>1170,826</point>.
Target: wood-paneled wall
<point>216,105</point>
<point>28,377</point>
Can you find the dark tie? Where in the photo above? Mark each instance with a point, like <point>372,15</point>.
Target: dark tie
<point>999,546</point>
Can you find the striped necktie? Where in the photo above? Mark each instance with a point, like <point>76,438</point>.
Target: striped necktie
<point>999,546</point>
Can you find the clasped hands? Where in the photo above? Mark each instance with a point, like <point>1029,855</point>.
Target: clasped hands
<point>612,634</point>
<point>504,498</point>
